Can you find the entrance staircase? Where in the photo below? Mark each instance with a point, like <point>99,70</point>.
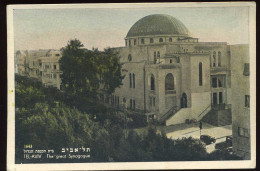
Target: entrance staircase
<point>168,114</point>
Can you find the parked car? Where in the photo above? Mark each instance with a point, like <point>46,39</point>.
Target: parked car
<point>229,140</point>
<point>207,139</point>
<point>224,145</point>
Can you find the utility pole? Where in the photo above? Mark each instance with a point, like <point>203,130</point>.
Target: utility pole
<point>200,127</point>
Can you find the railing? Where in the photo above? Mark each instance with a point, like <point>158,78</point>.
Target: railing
<point>152,92</point>
<point>219,68</point>
<point>170,91</point>
<point>168,114</point>
<point>204,110</point>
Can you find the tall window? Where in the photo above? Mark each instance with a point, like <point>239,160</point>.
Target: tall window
<point>142,41</point>
<point>247,101</point>
<point>131,104</point>
<point>133,80</point>
<point>135,42</point>
<point>214,82</point>
<point>246,69</point>
<point>152,82</point>
<point>129,57</point>
<point>214,59</point>
<point>151,40</point>
<point>54,66</point>
<point>161,40</point>
<point>200,74</point>
<point>170,61</point>
<point>169,82</point>
<point>170,39</point>
<point>154,57</point>
<point>130,80</point>
<point>158,54</point>
<point>219,59</point>
<point>129,42</point>
<point>152,101</point>
<point>178,59</point>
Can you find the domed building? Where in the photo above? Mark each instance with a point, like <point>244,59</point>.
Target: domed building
<point>172,77</point>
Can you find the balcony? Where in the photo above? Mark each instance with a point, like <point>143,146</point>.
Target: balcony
<point>170,92</point>
<point>152,92</point>
<point>219,69</point>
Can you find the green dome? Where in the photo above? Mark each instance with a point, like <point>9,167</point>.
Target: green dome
<point>158,24</point>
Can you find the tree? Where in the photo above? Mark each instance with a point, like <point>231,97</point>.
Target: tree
<point>85,70</point>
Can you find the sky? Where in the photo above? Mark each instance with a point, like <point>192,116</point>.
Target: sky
<point>102,27</point>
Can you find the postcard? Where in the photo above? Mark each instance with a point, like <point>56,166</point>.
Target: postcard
<point>131,86</point>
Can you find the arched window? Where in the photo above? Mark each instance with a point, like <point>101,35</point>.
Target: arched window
<point>169,82</point>
<point>219,58</point>
<point>133,80</point>
<point>158,54</point>
<point>214,59</point>
<point>129,42</point>
<point>151,40</point>
<point>161,40</point>
<point>129,57</point>
<point>130,80</point>
<point>170,39</point>
<point>135,42</point>
<point>200,74</point>
<point>142,41</point>
<point>152,82</point>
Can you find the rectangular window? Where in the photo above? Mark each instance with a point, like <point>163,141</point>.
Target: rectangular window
<point>243,132</point>
<point>154,101</point>
<point>130,80</point>
<point>131,103</point>
<point>54,66</point>
<point>54,76</point>
<point>247,101</point>
<point>133,80</point>
<point>134,104</point>
<point>246,69</point>
<point>214,82</point>
<point>220,82</point>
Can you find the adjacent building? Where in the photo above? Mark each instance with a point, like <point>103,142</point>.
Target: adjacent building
<point>42,65</point>
<point>240,80</point>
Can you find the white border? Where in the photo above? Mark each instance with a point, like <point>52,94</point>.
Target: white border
<point>130,165</point>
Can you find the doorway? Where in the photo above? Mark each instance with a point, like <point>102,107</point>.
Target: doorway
<point>215,99</point>
<point>220,98</point>
<point>184,100</point>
